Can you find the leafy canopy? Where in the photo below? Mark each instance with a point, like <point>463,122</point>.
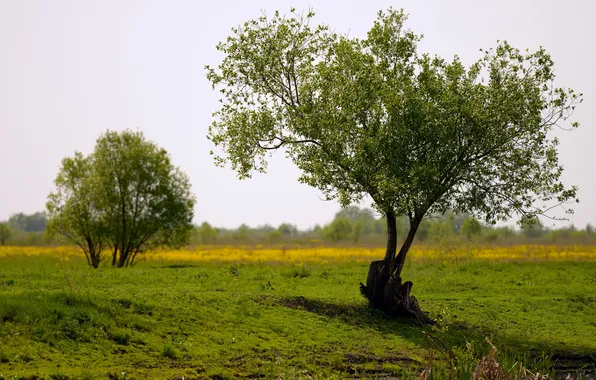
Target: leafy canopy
<point>373,116</point>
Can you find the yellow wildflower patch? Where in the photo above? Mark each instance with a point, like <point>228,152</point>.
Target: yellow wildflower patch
<point>335,255</point>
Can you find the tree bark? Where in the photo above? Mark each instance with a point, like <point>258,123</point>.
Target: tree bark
<point>114,255</point>
<point>384,288</point>
<point>89,251</point>
<point>391,242</point>
<point>380,271</point>
<point>122,259</point>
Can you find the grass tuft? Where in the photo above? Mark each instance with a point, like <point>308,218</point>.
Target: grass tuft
<point>169,352</point>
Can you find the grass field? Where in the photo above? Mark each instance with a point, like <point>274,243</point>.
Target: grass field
<point>263,313</point>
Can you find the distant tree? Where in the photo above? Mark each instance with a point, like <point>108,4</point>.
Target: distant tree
<point>423,232</point>
<point>416,133</point>
<point>439,230</point>
<point>287,229</point>
<point>126,195</point>
<point>505,232</point>
<point>363,217</point>
<point>4,233</point>
<point>35,222</point>
<point>265,229</point>
<point>589,229</point>
<point>274,236</point>
<point>206,233</point>
<point>491,236</point>
<point>242,233</point>
<point>380,226</point>
<point>339,229</point>
<point>471,228</point>
<point>357,230</point>
<point>355,213</point>
<point>532,228</point>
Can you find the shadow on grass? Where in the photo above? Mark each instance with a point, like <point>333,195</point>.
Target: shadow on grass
<point>355,315</point>
<point>457,334</point>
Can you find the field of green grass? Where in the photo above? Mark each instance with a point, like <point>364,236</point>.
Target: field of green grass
<point>63,320</point>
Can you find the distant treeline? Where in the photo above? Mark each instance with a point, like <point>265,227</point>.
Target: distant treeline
<point>351,226</point>
<point>360,226</point>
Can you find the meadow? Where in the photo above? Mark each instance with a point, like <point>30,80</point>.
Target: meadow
<point>294,313</point>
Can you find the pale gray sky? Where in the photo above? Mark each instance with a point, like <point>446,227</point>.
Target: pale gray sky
<point>69,70</point>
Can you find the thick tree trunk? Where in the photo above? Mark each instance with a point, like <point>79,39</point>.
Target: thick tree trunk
<point>95,261</point>
<point>93,257</point>
<point>384,288</point>
<point>122,259</point>
<point>391,242</point>
<point>89,252</point>
<point>374,290</point>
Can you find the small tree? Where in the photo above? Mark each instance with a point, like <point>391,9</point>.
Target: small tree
<point>339,229</point>
<point>287,229</point>
<point>364,218</point>
<point>532,228</point>
<point>4,233</point>
<point>357,230</point>
<point>416,133</point>
<point>471,228</point>
<point>242,234</point>
<point>440,231</point>
<point>206,233</point>
<point>274,236</point>
<point>126,195</point>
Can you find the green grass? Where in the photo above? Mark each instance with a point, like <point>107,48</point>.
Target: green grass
<point>214,320</point>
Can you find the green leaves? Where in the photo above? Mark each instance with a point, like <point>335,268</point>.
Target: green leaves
<point>5,233</point>
<point>126,195</point>
<point>416,132</point>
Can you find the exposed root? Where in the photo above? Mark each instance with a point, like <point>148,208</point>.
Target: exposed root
<point>390,295</point>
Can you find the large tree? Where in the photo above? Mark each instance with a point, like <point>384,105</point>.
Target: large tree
<point>127,195</point>
<point>416,133</point>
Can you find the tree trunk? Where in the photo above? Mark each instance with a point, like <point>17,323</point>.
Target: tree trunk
<point>379,271</point>
<point>89,251</point>
<point>391,242</point>
<point>93,257</point>
<point>123,258</point>
<point>114,254</point>
<point>384,288</point>
<point>95,261</point>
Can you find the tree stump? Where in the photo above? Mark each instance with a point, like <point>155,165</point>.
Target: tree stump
<point>374,291</point>
<point>390,295</point>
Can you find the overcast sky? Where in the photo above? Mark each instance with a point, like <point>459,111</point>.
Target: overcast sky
<point>69,70</point>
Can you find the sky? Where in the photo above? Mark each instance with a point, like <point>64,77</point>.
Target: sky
<point>71,69</point>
